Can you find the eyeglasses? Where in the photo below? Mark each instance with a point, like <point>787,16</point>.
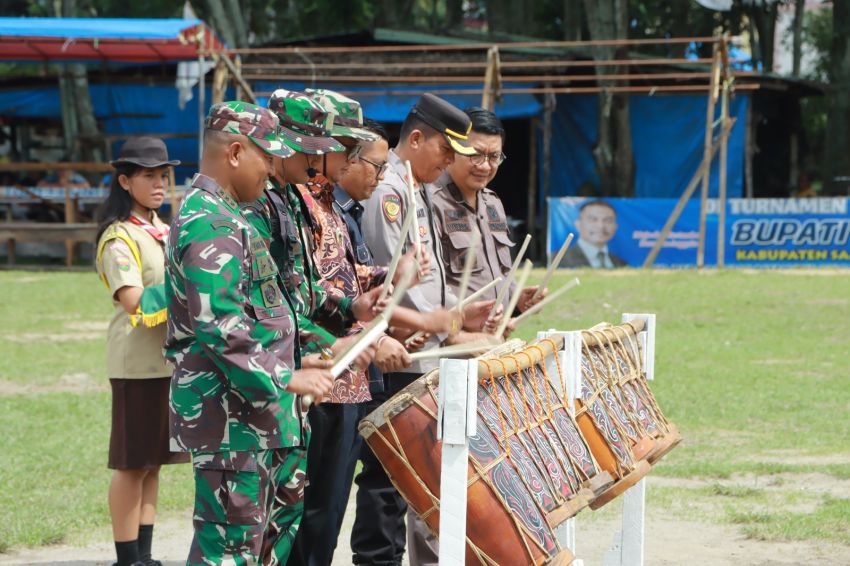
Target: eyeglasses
<point>495,159</point>
<point>379,169</point>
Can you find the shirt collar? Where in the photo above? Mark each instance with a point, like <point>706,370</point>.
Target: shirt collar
<point>590,250</point>
<point>343,199</point>
<point>211,186</point>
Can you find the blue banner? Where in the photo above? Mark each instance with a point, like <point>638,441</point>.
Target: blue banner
<point>759,232</point>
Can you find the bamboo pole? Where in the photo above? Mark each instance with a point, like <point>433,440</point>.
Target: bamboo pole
<point>491,79</point>
<point>724,150</point>
<point>709,130</point>
<point>473,46</point>
<point>172,192</point>
<point>683,200</point>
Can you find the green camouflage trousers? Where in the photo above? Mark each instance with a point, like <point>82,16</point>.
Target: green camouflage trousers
<point>248,505</point>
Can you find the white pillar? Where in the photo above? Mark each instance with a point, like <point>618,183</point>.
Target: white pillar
<point>456,422</point>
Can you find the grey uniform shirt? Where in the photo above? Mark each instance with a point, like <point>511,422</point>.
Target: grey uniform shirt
<point>456,221</point>
<point>383,216</point>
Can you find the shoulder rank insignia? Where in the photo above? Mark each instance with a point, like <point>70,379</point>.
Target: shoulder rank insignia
<point>229,224</point>
<point>391,205</point>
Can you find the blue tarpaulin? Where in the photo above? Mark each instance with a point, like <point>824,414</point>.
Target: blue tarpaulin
<point>123,109</point>
<point>103,40</point>
<point>668,133</point>
<point>120,28</point>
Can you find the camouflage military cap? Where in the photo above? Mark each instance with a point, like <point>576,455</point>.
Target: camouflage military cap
<point>255,122</point>
<point>348,122</point>
<point>304,125</point>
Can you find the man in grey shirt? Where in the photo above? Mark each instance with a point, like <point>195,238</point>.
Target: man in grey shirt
<point>432,134</point>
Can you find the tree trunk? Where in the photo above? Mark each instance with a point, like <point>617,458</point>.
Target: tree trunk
<point>508,16</point>
<point>239,18</point>
<point>799,12</point>
<point>78,121</point>
<point>454,14</point>
<point>764,20</point>
<point>90,149</point>
<point>612,151</point>
<point>222,24</point>
<point>572,20</point>
<point>837,166</point>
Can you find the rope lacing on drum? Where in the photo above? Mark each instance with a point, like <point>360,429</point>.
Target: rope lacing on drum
<point>494,392</point>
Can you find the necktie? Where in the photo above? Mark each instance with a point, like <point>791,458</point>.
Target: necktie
<point>601,257</point>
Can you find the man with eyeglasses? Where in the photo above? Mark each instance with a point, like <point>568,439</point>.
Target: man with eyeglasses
<point>431,136</point>
<point>335,444</point>
<point>464,203</point>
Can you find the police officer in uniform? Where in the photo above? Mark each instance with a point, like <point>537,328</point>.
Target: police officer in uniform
<point>464,204</point>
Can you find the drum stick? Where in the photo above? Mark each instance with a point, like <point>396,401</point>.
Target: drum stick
<point>369,334</point>
<point>399,251</point>
<point>365,340</point>
<point>372,331</point>
<point>454,350</point>
<point>477,294</point>
<point>500,296</point>
<point>523,277</point>
<point>411,192</point>
<point>471,255</point>
<point>555,263</point>
<point>470,299</point>
<point>539,306</point>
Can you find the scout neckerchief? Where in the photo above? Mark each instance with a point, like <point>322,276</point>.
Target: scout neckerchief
<point>158,234</point>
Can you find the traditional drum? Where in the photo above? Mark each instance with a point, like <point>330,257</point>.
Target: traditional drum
<point>533,462</point>
<point>529,467</point>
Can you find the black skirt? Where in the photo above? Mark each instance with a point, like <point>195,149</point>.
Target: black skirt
<point>140,435</point>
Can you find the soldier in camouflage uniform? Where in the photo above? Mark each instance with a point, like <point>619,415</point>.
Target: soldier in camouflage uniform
<point>231,336</point>
<point>281,218</point>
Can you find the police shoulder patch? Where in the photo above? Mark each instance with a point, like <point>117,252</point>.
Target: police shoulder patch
<point>391,206</point>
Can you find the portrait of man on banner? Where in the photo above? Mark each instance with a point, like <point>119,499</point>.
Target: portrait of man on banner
<point>596,226</point>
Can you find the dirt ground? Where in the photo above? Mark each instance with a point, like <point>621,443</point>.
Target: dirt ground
<point>668,543</point>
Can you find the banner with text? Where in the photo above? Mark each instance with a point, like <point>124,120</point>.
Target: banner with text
<point>759,232</point>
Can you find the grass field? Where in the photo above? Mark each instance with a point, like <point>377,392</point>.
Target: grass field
<point>750,365</point>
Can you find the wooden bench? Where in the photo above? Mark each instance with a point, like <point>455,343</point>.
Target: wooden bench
<point>40,232</point>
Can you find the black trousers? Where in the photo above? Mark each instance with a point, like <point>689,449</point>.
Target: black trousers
<point>331,458</point>
<point>379,535</point>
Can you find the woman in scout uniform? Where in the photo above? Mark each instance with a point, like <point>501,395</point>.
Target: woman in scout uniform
<point>131,263</point>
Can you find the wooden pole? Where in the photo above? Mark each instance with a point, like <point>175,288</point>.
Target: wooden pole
<point>487,95</point>
<point>531,202</point>
<point>238,73</point>
<point>69,219</point>
<point>201,103</point>
<point>683,200</point>
<point>219,82</point>
<point>709,130</point>
<point>724,147</point>
<point>240,80</point>
<point>748,148</point>
<point>172,190</point>
<point>549,110</point>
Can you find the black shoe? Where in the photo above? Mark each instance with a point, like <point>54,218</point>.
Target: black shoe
<point>151,562</point>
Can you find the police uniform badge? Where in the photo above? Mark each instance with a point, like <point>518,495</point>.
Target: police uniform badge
<point>391,206</point>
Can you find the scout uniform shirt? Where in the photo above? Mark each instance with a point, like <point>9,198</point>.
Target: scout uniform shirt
<point>383,216</point>
<point>231,333</point>
<point>130,255</point>
<point>456,220</point>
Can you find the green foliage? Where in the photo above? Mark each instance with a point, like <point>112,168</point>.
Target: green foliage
<point>817,34</point>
